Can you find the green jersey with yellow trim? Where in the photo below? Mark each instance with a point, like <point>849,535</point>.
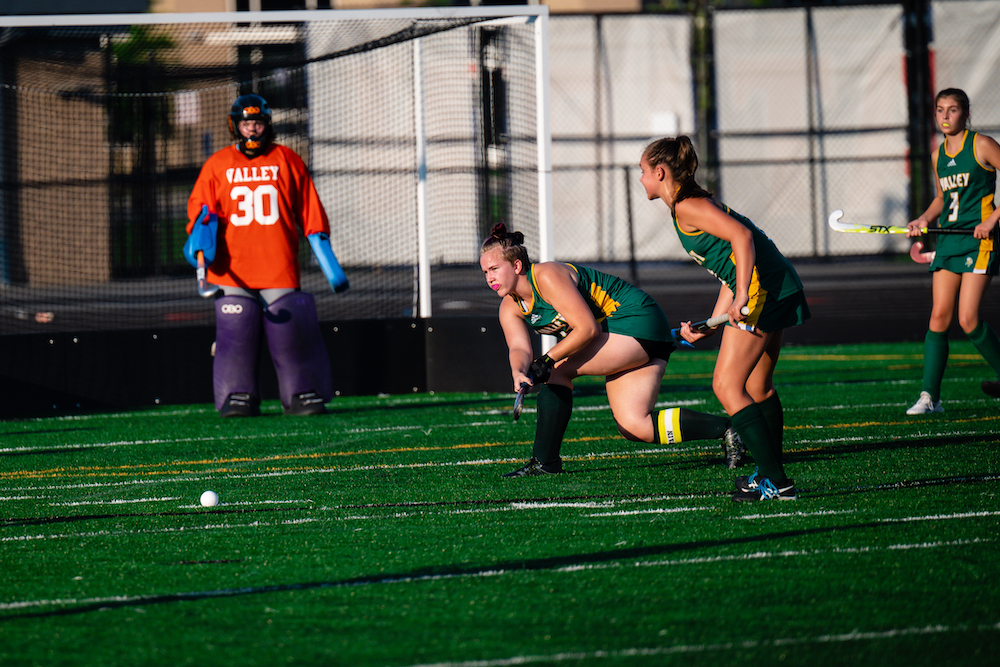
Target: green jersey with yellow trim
<point>773,277</point>
<point>618,306</point>
<point>968,187</point>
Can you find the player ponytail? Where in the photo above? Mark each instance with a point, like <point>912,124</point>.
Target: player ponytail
<point>511,244</point>
<point>679,156</point>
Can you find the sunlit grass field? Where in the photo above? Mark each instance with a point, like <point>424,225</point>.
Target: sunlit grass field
<point>383,533</point>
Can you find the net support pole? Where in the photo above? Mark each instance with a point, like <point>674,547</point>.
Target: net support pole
<point>423,252</point>
<point>544,131</point>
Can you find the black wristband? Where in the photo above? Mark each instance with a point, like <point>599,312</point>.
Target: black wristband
<point>541,369</point>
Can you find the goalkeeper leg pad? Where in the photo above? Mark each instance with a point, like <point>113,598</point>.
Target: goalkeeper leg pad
<point>298,351</point>
<point>237,347</point>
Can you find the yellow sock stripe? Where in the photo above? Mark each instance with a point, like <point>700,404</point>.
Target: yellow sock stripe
<point>668,423</point>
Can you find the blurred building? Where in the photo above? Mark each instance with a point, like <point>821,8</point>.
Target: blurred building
<point>555,6</point>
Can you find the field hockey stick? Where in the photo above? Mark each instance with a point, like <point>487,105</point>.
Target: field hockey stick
<point>838,226</point>
<point>519,399</point>
<point>205,288</point>
<point>918,255</point>
<point>705,325</point>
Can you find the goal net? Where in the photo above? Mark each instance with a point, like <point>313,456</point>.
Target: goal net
<point>422,128</point>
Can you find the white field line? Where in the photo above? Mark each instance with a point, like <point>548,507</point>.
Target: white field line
<point>114,501</point>
<point>742,645</point>
<point>427,429</point>
<point>590,408</point>
<point>424,509</point>
<point>908,436</point>
<point>628,563</point>
<point>160,441</point>
<point>209,476</point>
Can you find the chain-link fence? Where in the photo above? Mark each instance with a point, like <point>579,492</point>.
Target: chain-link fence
<point>795,112</point>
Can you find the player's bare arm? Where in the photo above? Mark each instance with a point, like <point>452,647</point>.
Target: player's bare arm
<point>988,152</point>
<point>557,284</point>
<point>518,338</point>
<point>705,215</point>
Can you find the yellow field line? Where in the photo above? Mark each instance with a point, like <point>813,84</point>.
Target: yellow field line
<point>176,467</point>
<point>188,467</point>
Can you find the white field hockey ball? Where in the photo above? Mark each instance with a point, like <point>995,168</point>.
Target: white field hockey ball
<point>209,499</point>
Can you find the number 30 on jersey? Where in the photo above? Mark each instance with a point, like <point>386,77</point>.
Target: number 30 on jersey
<point>258,205</point>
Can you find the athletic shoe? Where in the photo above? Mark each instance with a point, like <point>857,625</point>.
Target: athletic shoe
<point>991,388</point>
<point>746,483</point>
<point>925,405</point>
<point>307,403</point>
<point>766,490</point>
<point>734,448</point>
<point>240,405</point>
<point>533,467</point>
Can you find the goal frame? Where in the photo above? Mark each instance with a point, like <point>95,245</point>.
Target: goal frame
<point>536,15</point>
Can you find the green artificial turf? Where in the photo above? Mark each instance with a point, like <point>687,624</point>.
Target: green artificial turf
<point>382,533</point>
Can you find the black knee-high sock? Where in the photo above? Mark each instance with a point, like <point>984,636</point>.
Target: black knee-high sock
<point>753,429</point>
<point>775,418</point>
<point>554,405</point>
<point>680,424</point>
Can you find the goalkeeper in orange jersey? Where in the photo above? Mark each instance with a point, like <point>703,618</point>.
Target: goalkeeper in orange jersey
<point>258,195</point>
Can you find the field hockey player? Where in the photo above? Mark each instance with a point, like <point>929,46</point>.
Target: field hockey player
<point>754,276</point>
<point>964,264</point>
<point>605,327</point>
<point>262,196</point>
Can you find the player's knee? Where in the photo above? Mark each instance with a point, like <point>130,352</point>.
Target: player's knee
<point>968,322</point>
<point>631,432</point>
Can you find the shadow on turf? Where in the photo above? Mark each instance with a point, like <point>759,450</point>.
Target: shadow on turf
<point>528,565</point>
<point>51,520</point>
<point>835,451</point>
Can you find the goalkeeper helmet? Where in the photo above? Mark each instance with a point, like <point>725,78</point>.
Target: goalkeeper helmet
<point>251,107</point>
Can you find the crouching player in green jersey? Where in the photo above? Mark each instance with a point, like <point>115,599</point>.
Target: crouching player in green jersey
<point>605,326</point>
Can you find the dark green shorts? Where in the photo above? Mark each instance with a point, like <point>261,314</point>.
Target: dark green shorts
<point>782,314</point>
<point>983,262</point>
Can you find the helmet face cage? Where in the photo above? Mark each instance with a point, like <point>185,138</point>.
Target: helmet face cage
<point>251,107</point>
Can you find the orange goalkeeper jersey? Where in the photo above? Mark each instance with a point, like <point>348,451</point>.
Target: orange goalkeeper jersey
<point>261,204</point>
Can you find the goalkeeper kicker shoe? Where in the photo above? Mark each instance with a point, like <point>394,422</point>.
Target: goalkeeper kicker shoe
<point>240,405</point>
<point>734,448</point>
<point>306,403</point>
<point>925,405</point>
<point>991,388</point>
<point>533,467</point>
<point>766,490</point>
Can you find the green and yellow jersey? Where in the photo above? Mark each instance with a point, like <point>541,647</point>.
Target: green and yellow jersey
<point>618,306</point>
<point>968,187</point>
<point>773,277</point>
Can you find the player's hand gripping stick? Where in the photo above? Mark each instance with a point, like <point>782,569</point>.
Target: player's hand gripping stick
<point>704,325</point>
<point>519,399</point>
